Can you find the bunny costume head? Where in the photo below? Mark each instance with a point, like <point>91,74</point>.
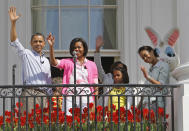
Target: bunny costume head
<point>165,47</point>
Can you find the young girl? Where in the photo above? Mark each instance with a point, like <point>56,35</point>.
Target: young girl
<point>158,73</point>
<point>117,67</point>
<point>120,76</point>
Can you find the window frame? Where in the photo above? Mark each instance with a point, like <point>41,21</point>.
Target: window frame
<point>104,52</point>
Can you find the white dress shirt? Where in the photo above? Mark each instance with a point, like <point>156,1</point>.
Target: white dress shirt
<point>35,68</point>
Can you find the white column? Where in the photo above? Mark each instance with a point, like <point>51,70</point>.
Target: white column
<point>4,42</point>
<point>181,73</point>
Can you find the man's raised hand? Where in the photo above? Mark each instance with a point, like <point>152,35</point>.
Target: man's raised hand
<point>12,14</point>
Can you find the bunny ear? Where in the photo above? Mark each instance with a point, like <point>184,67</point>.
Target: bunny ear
<point>172,36</point>
<point>154,37</point>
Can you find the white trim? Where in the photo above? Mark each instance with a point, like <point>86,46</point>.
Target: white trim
<point>119,25</point>
<point>28,23</point>
<point>104,53</point>
<point>76,6</point>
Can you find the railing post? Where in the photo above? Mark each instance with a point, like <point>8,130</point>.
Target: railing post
<point>172,108</point>
<point>75,91</point>
<point>74,77</point>
<point>13,74</point>
<point>13,83</point>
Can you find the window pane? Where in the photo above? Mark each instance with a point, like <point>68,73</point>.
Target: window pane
<point>96,26</point>
<point>74,24</point>
<point>44,2</point>
<point>103,22</point>
<point>103,2</point>
<point>74,2</point>
<point>110,32</point>
<point>45,21</point>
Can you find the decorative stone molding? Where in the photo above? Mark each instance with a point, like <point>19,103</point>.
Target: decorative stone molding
<point>181,73</point>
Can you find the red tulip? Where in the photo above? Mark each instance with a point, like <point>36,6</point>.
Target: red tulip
<point>91,105</point>
<point>17,104</point>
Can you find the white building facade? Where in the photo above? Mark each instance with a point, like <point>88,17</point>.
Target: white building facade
<point>132,16</point>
